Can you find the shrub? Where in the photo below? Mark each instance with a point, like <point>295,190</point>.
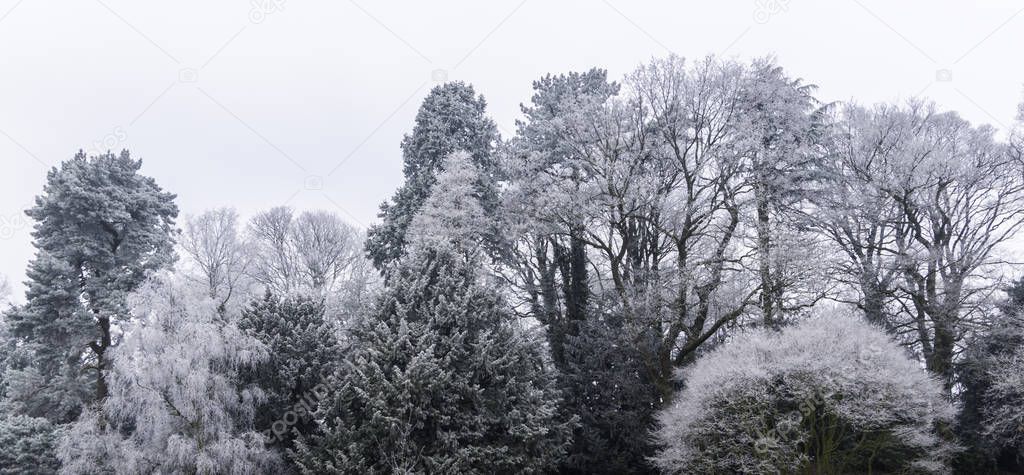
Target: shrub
<point>824,396</point>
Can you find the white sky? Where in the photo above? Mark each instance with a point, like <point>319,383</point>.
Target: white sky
<point>228,111</point>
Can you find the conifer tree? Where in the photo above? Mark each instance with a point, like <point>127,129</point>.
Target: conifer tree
<point>101,229</point>
<point>440,378</point>
<point>453,117</point>
<point>303,352</point>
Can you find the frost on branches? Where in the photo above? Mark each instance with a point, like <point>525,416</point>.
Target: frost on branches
<point>1004,415</point>
<point>174,406</point>
<point>829,395</point>
<point>452,212</point>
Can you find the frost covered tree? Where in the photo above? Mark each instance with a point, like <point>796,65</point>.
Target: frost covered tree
<point>303,352</point>
<point>548,258</point>
<point>452,117</point>
<point>924,203</point>
<point>990,421</point>
<point>781,122</point>
<point>603,381</point>
<point>440,378</point>
<point>605,385</point>
<point>453,211</point>
<point>27,444</point>
<point>314,252</point>
<point>216,254</point>
<point>1004,404</point>
<point>174,405</point>
<point>855,214</point>
<point>827,395</point>
<point>101,229</point>
<point>5,291</point>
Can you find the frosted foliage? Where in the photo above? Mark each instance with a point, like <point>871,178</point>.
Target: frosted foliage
<point>452,213</point>
<point>1004,421</point>
<point>750,405</point>
<point>174,406</point>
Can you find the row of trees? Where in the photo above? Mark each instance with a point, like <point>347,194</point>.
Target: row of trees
<point>655,246</point>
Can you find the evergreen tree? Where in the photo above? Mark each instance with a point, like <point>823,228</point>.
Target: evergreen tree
<point>303,351</point>
<point>101,228</point>
<point>440,378</point>
<point>451,118</point>
<point>606,386</point>
<point>27,445</point>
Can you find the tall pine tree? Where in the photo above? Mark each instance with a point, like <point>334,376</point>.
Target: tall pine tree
<point>453,117</point>
<point>101,228</point>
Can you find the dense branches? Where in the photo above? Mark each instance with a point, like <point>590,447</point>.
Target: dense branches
<point>661,245</point>
<point>452,118</point>
<point>101,229</point>
<point>440,378</point>
<point>928,201</point>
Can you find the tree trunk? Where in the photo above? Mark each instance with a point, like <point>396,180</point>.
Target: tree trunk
<point>101,359</point>
<point>943,347</point>
<point>768,288</point>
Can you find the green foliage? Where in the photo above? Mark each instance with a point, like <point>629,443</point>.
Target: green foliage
<point>452,118</point>
<point>303,353</point>
<point>440,380</point>
<point>606,386</point>
<point>27,445</point>
<point>989,356</point>
<point>101,229</point>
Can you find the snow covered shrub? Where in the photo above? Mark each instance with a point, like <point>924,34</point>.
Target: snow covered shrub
<point>174,404</point>
<point>828,395</point>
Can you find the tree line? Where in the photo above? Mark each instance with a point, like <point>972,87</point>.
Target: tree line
<point>700,268</point>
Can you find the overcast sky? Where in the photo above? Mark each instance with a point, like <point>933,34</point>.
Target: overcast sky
<point>260,103</point>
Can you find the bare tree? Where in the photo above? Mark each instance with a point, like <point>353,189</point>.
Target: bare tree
<point>213,246</point>
<point>935,199</point>
<point>275,264</point>
<point>854,213</point>
<point>312,252</point>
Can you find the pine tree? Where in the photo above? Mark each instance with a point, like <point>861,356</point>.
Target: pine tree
<point>440,378</point>
<point>303,351</point>
<point>451,118</point>
<point>101,229</point>
<point>542,137</point>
